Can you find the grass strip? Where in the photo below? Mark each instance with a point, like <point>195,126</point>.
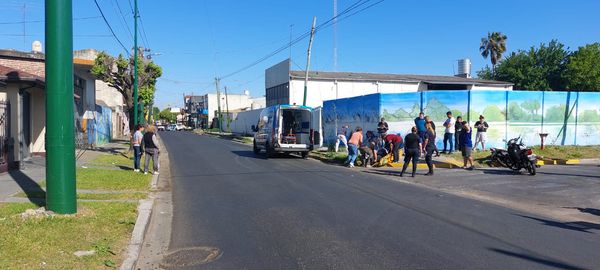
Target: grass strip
<point>49,242</point>
<point>102,179</point>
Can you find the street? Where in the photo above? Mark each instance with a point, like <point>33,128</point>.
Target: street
<point>290,213</point>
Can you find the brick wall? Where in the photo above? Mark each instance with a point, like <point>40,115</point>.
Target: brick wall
<point>35,67</point>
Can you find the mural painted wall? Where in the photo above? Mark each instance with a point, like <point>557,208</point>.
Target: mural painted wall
<point>360,111</point>
<point>568,118</point>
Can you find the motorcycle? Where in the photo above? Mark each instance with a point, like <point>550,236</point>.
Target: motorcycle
<point>516,157</point>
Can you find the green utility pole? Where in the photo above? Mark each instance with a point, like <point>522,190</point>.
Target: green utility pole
<point>217,81</point>
<point>310,42</point>
<point>135,65</point>
<point>60,133</point>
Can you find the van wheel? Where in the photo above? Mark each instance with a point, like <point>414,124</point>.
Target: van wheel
<point>255,148</point>
<point>304,155</point>
<point>269,151</point>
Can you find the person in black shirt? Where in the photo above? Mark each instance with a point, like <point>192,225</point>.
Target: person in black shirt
<point>428,121</point>
<point>429,148</point>
<point>458,127</point>
<point>411,151</point>
<point>382,126</point>
<point>151,148</point>
<point>481,136</point>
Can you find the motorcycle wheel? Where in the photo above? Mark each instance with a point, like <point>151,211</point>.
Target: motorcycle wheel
<point>531,168</point>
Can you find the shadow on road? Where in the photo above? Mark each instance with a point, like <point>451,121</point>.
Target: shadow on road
<point>570,174</point>
<point>250,154</point>
<point>501,172</point>
<point>395,172</point>
<point>580,226</point>
<point>32,189</point>
<point>544,261</point>
<point>591,211</point>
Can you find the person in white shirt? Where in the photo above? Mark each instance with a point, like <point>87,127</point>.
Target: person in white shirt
<point>136,140</point>
<point>449,134</point>
<point>341,138</point>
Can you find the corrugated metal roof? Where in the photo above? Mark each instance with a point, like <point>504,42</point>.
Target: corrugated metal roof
<point>408,78</point>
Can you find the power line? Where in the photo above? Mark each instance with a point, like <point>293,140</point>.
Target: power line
<point>109,27</point>
<point>124,21</point>
<point>342,15</point>
<point>41,21</point>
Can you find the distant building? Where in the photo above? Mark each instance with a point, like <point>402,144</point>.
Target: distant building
<point>200,110</point>
<point>286,86</point>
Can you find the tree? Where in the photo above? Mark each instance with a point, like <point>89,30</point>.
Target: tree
<point>167,115</point>
<point>493,113</point>
<point>118,73</point>
<point>582,70</point>
<point>535,69</point>
<point>493,46</point>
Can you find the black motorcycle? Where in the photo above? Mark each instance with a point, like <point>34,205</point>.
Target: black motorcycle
<point>516,156</point>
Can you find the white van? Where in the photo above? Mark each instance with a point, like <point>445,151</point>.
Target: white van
<point>287,129</point>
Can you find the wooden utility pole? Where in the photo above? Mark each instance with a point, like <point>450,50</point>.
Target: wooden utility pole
<point>312,36</point>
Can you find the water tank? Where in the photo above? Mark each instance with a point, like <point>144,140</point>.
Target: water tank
<point>36,47</point>
<point>464,68</point>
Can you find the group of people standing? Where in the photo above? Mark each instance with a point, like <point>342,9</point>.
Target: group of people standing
<point>419,142</point>
<point>144,140</point>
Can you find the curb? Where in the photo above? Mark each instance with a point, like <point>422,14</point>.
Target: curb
<point>137,236</point>
<point>141,225</point>
<point>559,162</point>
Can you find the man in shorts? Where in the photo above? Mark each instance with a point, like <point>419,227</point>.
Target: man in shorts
<point>466,145</point>
<point>481,135</point>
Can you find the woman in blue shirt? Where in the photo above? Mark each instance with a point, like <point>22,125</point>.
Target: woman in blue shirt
<point>466,145</point>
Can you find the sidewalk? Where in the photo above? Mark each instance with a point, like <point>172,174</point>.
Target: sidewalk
<point>34,171</point>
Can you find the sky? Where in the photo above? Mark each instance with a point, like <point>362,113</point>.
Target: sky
<point>198,40</point>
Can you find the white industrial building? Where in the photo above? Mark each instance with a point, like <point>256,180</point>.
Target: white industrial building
<point>286,86</point>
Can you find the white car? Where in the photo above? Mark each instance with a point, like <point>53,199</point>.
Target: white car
<point>179,127</point>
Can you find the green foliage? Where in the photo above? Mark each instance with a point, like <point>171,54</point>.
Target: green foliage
<point>167,115</point>
<point>583,70</point>
<point>589,116</point>
<point>493,113</point>
<point>549,67</point>
<point>118,73</point>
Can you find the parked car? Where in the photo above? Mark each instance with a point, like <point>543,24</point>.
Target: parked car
<point>179,127</point>
<point>287,129</point>
<point>171,127</point>
<point>161,128</point>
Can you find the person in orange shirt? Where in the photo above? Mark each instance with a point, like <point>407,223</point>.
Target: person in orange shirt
<point>354,143</point>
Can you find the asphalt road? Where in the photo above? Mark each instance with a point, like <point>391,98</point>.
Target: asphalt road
<point>289,213</point>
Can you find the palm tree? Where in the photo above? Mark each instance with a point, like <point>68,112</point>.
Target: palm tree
<point>494,45</point>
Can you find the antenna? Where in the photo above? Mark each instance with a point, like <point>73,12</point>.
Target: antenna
<point>334,35</point>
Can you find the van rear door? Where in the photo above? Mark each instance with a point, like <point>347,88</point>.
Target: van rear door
<point>316,127</point>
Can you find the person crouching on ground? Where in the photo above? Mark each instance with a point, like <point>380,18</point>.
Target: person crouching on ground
<point>466,145</point>
<point>429,147</point>
<point>411,151</point>
<point>355,141</point>
<point>393,143</point>
<point>151,149</point>
<point>137,147</point>
<point>367,150</point>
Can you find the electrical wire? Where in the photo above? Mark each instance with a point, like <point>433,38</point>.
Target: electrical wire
<point>41,21</point>
<point>123,19</point>
<point>110,28</point>
<point>342,15</point>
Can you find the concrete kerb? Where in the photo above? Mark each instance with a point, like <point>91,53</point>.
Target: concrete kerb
<point>141,225</point>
